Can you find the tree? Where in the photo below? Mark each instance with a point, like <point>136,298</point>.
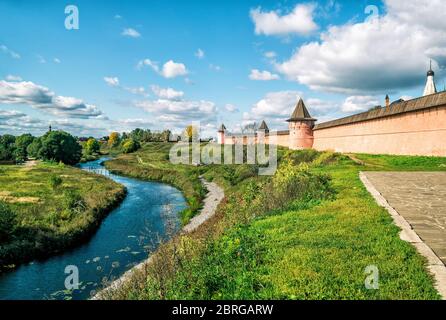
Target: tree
<point>113,139</point>
<point>21,143</point>
<point>7,222</point>
<point>60,146</point>
<point>34,148</point>
<point>7,147</point>
<point>130,145</point>
<point>191,132</point>
<point>92,146</point>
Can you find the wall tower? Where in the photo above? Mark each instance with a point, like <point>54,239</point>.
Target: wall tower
<point>430,87</point>
<point>301,126</point>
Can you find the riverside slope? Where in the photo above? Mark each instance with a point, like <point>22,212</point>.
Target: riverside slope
<point>213,198</point>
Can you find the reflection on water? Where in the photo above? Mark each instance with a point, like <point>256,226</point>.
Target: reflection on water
<point>148,214</point>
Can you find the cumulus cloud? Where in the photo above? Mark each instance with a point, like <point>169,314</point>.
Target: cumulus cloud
<point>199,54</point>
<point>278,104</point>
<point>167,93</point>
<point>385,53</point>
<point>9,52</point>
<point>40,97</point>
<point>56,60</point>
<point>354,104</point>
<point>112,81</point>
<point>132,33</point>
<point>299,21</point>
<point>262,75</point>
<point>16,122</point>
<point>179,113</point>
<point>170,69</point>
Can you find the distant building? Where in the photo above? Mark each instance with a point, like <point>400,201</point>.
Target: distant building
<point>413,127</point>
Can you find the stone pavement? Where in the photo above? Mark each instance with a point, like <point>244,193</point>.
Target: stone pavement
<point>420,197</point>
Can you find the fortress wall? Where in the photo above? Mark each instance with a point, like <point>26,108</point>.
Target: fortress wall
<point>281,140</point>
<point>420,132</point>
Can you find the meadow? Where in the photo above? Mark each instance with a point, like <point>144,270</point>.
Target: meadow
<point>49,207</point>
<point>308,232</point>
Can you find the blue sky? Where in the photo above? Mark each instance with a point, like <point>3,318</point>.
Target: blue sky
<point>163,64</point>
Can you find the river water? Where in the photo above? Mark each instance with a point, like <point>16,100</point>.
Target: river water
<point>126,236</point>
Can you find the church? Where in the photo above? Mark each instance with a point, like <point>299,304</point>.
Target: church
<point>412,127</point>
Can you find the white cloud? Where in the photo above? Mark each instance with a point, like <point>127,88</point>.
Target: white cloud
<point>199,54</point>
<point>299,21</point>
<point>41,59</point>
<point>56,60</point>
<point>117,16</point>
<point>9,52</point>
<point>167,93</point>
<point>40,97</point>
<point>173,69</point>
<point>170,69</point>
<point>262,75</point>
<point>354,104</point>
<point>11,77</point>
<point>231,108</point>
<point>112,81</point>
<point>390,52</point>
<point>132,33</point>
<point>270,54</point>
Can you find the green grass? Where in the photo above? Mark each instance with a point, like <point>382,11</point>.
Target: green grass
<point>265,243</point>
<point>57,206</point>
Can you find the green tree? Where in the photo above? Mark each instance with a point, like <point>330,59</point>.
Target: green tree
<point>130,145</point>
<point>92,146</point>
<point>7,222</point>
<point>7,147</point>
<point>21,143</point>
<point>34,148</point>
<point>60,146</point>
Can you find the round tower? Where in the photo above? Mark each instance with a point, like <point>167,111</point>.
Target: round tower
<point>221,134</point>
<point>301,126</point>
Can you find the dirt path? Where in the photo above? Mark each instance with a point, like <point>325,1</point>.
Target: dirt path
<point>213,198</point>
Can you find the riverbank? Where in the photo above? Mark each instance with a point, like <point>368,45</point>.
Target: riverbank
<point>308,232</point>
<point>151,163</point>
<point>55,207</point>
<point>213,198</point>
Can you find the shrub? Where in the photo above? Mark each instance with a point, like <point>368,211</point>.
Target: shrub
<point>130,145</point>
<point>55,181</point>
<point>7,222</point>
<point>73,203</point>
<point>92,146</point>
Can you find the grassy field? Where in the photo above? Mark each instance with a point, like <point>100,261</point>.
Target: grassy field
<point>56,206</point>
<point>309,232</point>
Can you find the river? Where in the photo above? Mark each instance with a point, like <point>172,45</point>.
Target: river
<point>126,236</point>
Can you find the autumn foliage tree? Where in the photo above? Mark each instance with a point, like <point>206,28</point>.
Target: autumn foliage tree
<point>113,139</point>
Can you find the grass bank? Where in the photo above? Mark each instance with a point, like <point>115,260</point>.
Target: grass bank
<point>54,207</point>
<point>152,163</point>
<point>308,232</point>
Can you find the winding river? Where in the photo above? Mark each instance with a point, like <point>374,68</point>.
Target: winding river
<point>126,236</point>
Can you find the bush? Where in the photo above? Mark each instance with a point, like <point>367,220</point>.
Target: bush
<point>55,181</point>
<point>73,203</point>
<point>92,146</point>
<point>7,222</point>
<point>130,145</point>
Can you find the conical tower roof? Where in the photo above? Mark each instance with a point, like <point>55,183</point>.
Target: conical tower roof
<point>222,128</point>
<point>263,126</point>
<point>300,113</point>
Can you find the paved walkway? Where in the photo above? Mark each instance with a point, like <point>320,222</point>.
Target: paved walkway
<point>420,197</point>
